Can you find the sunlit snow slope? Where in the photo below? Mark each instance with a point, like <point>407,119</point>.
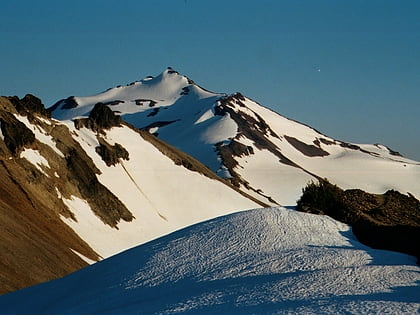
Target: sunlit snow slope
<point>265,154</point>
<point>260,261</point>
<point>161,195</point>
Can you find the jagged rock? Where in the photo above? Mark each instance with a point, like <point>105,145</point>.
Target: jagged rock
<point>68,103</point>
<point>111,154</point>
<point>16,134</point>
<point>306,149</point>
<point>101,117</point>
<point>389,221</point>
<point>29,105</point>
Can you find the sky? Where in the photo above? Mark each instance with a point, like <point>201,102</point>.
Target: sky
<point>349,68</point>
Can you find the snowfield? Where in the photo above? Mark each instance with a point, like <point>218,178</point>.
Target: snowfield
<point>195,121</point>
<point>271,260</point>
<point>162,196</point>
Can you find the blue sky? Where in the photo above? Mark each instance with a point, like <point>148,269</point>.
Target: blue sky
<point>350,69</point>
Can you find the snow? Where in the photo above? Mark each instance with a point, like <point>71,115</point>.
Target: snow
<point>220,130</point>
<point>40,134</point>
<point>35,157</point>
<point>207,115</point>
<point>348,168</point>
<point>164,89</point>
<point>1,133</point>
<point>261,261</point>
<point>195,129</point>
<point>277,180</point>
<point>162,196</point>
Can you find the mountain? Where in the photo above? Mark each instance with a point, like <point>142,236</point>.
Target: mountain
<point>93,176</point>
<point>73,193</point>
<point>266,261</point>
<point>262,153</point>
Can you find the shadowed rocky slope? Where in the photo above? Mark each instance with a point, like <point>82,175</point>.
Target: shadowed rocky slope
<point>35,244</point>
<point>388,221</point>
<point>41,167</point>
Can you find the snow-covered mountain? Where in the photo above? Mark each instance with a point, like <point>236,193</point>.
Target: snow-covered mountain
<point>263,153</point>
<point>266,261</point>
<point>136,162</point>
<point>72,193</point>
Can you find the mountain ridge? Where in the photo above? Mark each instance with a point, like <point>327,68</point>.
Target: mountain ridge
<point>207,124</point>
<point>53,180</point>
<point>123,168</point>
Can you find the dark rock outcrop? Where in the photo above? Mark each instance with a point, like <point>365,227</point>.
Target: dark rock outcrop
<point>16,134</point>
<point>306,149</point>
<point>29,105</point>
<point>252,127</point>
<point>389,221</point>
<point>100,117</point>
<point>111,154</point>
<point>102,202</point>
<point>68,103</point>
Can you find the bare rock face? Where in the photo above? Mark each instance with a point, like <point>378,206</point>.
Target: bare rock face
<point>101,117</point>
<point>16,134</point>
<point>29,105</point>
<point>389,221</point>
<point>69,102</point>
<point>35,243</point>
<point>111,153</point>
<point>308,150</point>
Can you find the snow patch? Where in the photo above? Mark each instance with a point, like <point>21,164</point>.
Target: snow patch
<point>40,134</point>
<point>35,157</point>
<point>222,129</point>
<point>207,115</point>
<point>159,194</point>
<point>153,130</point>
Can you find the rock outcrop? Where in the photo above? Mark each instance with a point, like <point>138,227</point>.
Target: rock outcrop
<point>389,221</point>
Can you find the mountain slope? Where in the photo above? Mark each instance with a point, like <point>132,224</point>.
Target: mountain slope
<point>74,192</point>
<point>261,152</point>
<point>265,261</point>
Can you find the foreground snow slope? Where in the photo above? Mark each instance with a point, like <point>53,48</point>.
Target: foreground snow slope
<point>267,155</point>
<point>261,261</point>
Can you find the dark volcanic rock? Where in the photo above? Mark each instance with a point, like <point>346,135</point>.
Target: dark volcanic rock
<point>306,149</point>
<point>234,148</point>
<point>103,203</point>
<point>29,105</point>
<point>68,103</point>
<point>101,117</point>
<point>16,134</point>
<point>158,124</point>
<point>113,103</point>
<point>111,154</point>
<point>389,221</point>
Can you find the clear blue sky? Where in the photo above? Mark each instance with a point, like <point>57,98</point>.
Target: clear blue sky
<point>368,54</point>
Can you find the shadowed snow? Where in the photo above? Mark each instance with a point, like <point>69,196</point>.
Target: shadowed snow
<point>260,261</point>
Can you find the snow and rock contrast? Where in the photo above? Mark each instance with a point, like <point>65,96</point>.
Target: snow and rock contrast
<point>76,192</point>
<point>263,153</point>
<point>260,261</point>
<point>94,176</point>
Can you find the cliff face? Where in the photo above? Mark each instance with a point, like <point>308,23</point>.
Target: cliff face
<point>35,245</point>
